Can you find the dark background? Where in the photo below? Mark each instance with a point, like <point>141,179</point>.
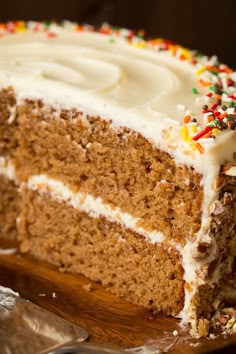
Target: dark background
<point>206,25</point>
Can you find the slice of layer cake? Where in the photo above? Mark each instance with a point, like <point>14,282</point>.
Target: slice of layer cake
<point>118,162</point>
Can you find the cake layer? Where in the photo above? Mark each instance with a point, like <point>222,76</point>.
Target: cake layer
<point>118,165</point>
<point>124,262</point>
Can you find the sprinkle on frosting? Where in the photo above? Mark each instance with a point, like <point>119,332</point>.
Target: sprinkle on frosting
<point>217,80</point>
<point>194,91</point>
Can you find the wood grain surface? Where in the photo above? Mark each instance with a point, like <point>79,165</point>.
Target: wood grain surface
<point>107,318</point>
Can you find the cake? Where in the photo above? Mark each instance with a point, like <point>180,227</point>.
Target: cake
<point>118,161</point>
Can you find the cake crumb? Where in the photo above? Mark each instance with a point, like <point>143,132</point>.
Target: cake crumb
<point>54,295</point>
<point>41,294</point>
<point>175,333</point>
<point>212,336</point>
<point>225,319</point>
<point>203,327</point>
<point>87,287</point>
<point>194,344</point>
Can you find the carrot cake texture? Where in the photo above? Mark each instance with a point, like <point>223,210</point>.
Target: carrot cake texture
<point>118,161</point>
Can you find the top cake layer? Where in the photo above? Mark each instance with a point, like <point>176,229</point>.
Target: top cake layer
<point>154,87</point>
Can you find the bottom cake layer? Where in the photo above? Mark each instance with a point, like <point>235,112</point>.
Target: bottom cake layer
<point>123,261</point>
<point>8,208</point>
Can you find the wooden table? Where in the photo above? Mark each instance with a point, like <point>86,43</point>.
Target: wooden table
<point>106,317</point>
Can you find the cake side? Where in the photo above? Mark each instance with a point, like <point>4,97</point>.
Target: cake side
<point>214,286</point>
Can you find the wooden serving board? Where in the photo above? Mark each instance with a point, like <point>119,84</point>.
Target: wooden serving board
<point>108,319</point>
